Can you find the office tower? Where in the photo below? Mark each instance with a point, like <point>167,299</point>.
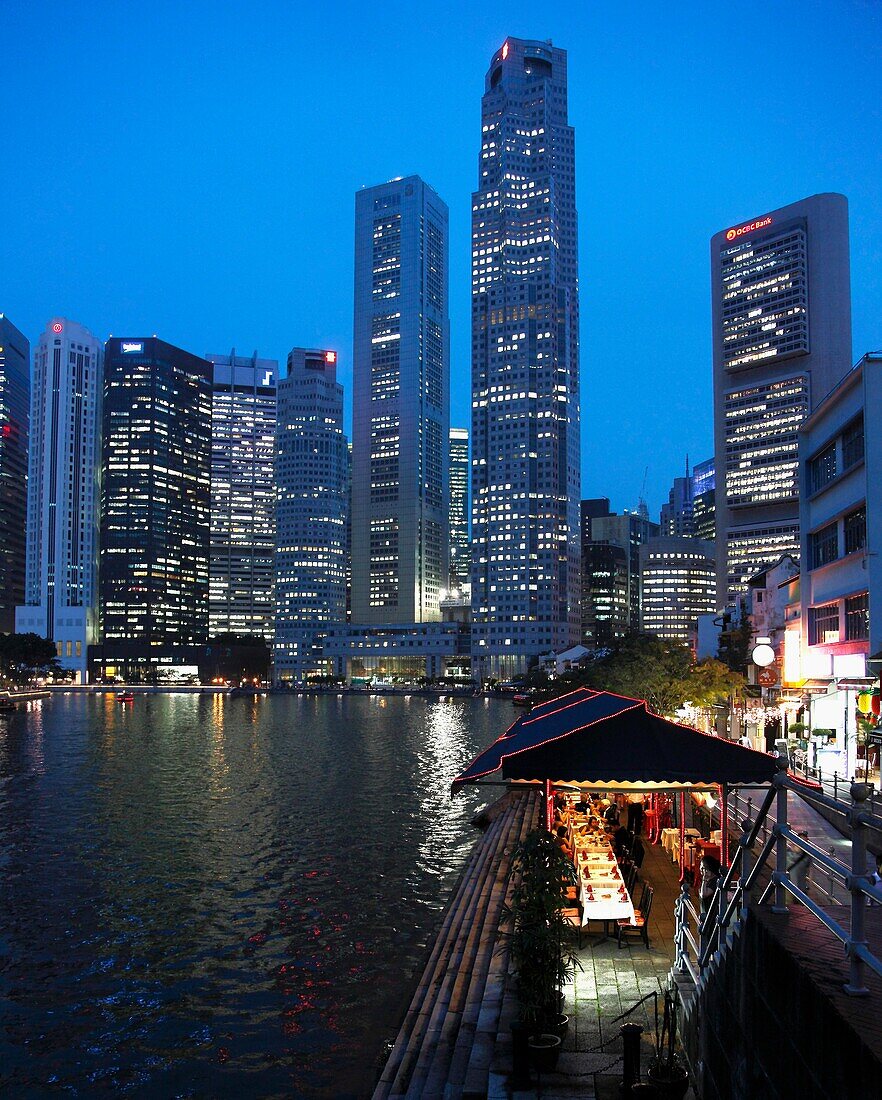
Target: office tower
<point>401,404</point>
<point>311,467</point>
<point>525,365</point>
<point>629,531</point>
<point>243,518</point>
<point>348,507</point>
<point>62,534</point>
<point>704,500</point>
<point>15,398</point>
<point>460,557</point>
<point>678,579</point>
<point>605,598</point>
<point>781,341</point>
<point>156,493</point>
<point>676,514</point>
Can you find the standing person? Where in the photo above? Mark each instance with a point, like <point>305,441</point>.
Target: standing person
<point>635,813</point>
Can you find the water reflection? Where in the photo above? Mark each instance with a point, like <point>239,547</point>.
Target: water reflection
<point>211,896</point>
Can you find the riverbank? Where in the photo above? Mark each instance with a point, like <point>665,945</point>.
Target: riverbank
<point>226,689</point>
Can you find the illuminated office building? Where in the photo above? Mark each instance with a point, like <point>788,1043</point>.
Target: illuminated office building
<point>460,558</point>
<point>704,500</point>
<point>243,440</point>
<point>311,476</point>
<point>605,600</point>
<point>629,531</point>
<point>781,341</point>
<point>678,578</point>
<point>401,403</point>
<point>62,532</point>
<point>525,365</point>
<point>15,397</point>
<point>156,470</point>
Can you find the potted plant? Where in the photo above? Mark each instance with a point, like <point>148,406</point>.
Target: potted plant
<point>666,1071</point>
<point>540,956</point>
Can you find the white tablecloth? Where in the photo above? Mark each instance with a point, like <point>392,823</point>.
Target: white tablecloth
<point>601,886</point>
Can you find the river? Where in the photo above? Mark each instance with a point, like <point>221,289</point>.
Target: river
<point>203,896</point>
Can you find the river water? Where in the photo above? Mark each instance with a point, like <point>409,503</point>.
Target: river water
<point>204,896</point>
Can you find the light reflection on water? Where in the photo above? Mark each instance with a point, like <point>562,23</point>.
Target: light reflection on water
<point>204,896</point>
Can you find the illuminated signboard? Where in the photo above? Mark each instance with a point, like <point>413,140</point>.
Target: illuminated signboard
<point>133,347</point>
<point>267,379</point>
<point>748,227</point>
<point>58,327</point>
<point>330,357</point>
<point>505,51</point>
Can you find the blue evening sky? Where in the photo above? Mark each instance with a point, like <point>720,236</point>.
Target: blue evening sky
<point>189,169</point>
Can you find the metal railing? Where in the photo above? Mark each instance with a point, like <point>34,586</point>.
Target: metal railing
<point>759,871</point>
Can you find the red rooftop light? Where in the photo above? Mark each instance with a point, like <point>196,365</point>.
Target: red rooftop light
<point>58,327</point>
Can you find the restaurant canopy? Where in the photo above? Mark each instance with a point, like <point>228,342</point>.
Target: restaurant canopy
<point>597,739</point>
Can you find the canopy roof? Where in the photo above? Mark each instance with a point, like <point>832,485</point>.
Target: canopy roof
<point>597,739</point>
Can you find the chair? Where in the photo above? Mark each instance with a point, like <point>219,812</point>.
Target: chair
<point>630,876</point>
<point>573,917</point>
<point>640,924</point>
<point>638,853</point>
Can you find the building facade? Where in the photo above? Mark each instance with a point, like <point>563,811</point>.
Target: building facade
<point>676,517</point>
<point>525,365</point>
<point>630,531</point>
<point>678,579</point>
<point>15,399</point>
<point>156,493</point>
<point>460,553</point>
<point>401,402</point>
<point>704,503</point>
<point>841,523</point>
<point>605,602</point>
<point>243,520</point>
<point>781,340</point>
<point>63,493</point>
<point>311,481</point>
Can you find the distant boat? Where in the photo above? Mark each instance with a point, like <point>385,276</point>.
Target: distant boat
<point>522,700</point>
<point>7,706</point>
<point>246,692</point>
<point>125,697</point>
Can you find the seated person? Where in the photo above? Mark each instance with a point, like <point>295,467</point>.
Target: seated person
<point>561,838</point>
<point>611,814</point>
<point>583,805</point>
<point>622,840</point>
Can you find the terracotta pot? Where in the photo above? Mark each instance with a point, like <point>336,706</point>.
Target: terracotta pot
<point>544,1051</point>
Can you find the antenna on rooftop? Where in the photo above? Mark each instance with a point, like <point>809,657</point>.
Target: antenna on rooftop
<point>642,510</point>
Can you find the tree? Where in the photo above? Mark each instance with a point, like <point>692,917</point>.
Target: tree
<point>21,655</point>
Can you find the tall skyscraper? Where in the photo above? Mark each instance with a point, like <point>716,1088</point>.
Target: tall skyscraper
<point>156,493</point>
<point>460,557</point>
<point>401,404</point>
<point>676,514</point>
<point>629,531</point>
<point>704,500</point>
<point>781,341</point>
<point>63,467</point>
<point>525,365</point>
<point>243,520</point>
<point>311,478</point>
<point>15,398</point>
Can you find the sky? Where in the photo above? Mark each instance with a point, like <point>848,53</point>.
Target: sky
<point>190,169</point>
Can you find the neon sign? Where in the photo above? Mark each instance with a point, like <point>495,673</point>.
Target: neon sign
<point>58,327</point>
<point>330,357</point>
<point>131,347</point>
<point>505,51</point>
<point>749,227</point>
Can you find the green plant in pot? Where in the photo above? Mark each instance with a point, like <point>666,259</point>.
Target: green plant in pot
<point>540,955</point>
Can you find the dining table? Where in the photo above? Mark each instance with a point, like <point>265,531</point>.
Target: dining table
<point>602,891</point>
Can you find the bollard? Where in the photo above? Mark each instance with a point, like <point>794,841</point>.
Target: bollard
<point>630,1034</point>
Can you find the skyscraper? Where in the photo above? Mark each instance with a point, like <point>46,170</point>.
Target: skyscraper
<point>15,397</point>
<point>156,469</point>
<point>525,365</point>
<point>243,521</point>
<point>704,500</point>
<point>460,558</point>
<point>311,475</point>
<point>63,467</point>
<point>629,531</point>
<point>677,513</point>
<point>401,404</point>
<point>678,579</point>
<point>781,341</point>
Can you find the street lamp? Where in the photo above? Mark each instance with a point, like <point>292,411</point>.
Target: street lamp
<point>763,655</point>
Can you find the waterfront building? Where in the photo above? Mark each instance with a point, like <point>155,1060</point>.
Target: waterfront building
<point>677,585</point>
<point>781,341</point>
<point>525,365</point>
<point>156,477</point>
<point>400,422</point>
<point>311,470</point>
<point>704,500</point>
<point>841,521</point>
<point>15,397</point>
<point>399,651</point>
<point>460,554</point>
<point>62,500</point>
<point>243,523</point>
